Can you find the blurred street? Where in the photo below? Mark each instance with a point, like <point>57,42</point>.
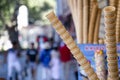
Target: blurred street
<point>3,70</point>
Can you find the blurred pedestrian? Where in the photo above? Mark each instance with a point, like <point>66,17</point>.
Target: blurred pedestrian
<point>74,68</point>
<point>13,61</point>
<point>55,64</point>
<point>45,58</point>
<point>40,41</point>
<point>32,59</point>
<point>65,56</point>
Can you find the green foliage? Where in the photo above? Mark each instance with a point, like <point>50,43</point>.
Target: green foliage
<point>36,9</point>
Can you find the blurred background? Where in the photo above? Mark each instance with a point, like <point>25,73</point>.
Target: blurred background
<point>23,22</point>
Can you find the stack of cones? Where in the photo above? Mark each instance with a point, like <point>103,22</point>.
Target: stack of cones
<point>86,16</point>
<point>110,17</point>
<point>118,24</point>
<point>60,29</point>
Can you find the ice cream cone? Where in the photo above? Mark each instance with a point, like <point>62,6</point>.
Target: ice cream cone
<point>111,48</point>
<point>75,50</point>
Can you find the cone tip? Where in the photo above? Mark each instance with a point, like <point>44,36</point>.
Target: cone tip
<point>50,14</point>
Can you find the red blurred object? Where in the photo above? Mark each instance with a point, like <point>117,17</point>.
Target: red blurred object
<point>65,54</point>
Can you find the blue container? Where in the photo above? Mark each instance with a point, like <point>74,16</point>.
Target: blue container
<point>88,50</point>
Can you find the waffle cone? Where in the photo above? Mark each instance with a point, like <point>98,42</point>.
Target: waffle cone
<point>57,24</point>
<point>79,27</point>
<point>108,41</point>
<point>86,66</point>
<point>109,10</point>
<point>85,21</point>
<point>110,25</point>
<point>114,74</point>
<point>110,37</point>
<point>65,36</point>
<point>109,22</point>
<point>79,57</point>
<point>75,50</point>
<point>111,50</point>
<point>113,64</point>
<point>97,26</point>
<point>72,46</point>
<point>110,28</point>
<point>112,59</point>
<point>109,53</point>
<point>92,23</point>
<point>110,46</point>
<point>89,71</point>
<point>110,18</point>
<point>113,67</point>
<point>93,77</point>
<point>110,33</point>
<point>55,20</point>
<point>61,31</point>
